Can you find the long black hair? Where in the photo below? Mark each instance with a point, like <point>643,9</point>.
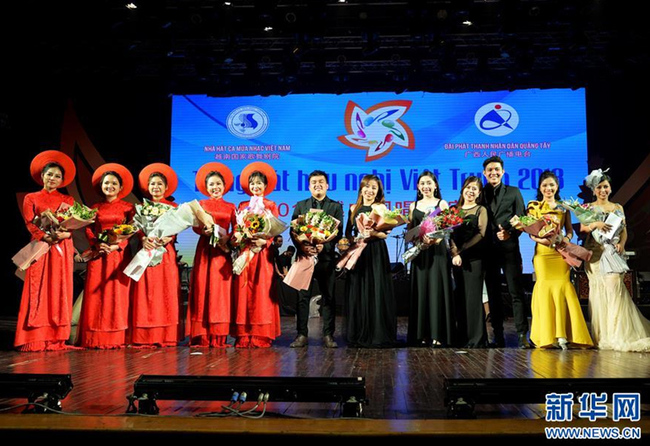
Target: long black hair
<point>548,174</point>
<point>436,193</point>
<point>378,199</point>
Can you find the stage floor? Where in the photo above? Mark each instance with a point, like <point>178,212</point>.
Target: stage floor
<point>402,383</point>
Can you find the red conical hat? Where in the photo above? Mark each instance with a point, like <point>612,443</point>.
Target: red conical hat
<point>127,178</point>
<point>172,178</point>
<point>53,156</point>
<point>259,166</point>
<point>205,169</point>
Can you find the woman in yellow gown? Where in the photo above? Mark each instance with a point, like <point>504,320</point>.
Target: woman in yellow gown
<point>557,318</point>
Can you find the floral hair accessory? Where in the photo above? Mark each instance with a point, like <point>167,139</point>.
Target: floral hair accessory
<point>595,178</point>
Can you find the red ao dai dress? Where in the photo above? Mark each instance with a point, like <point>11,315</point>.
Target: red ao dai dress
<point>211,282</point>
<point>256,315</point>
<point>155,301</point>
<point>105,310</point>
<point>46,303</point>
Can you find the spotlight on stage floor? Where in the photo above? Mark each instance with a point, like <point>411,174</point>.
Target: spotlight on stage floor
<point>44,391</point>
<point>350,393</point>
<point>461,395</point>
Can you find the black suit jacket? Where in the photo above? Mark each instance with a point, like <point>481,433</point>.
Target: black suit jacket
<point>509,203</point>
<point>332,208</point>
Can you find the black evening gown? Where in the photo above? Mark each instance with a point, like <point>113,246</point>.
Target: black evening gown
<point>431,314</point>
<point>371,316</point>
<point>469,280</point>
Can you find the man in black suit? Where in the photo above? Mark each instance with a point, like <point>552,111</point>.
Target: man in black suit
<point>324,272</point>
<point>502,203</point>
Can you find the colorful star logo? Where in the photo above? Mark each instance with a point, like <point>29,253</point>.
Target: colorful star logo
<point>378,129</point>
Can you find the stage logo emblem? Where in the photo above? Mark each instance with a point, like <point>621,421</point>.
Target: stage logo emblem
<point>247,122</point>
<point>496,119</point>
<point>378,129</point>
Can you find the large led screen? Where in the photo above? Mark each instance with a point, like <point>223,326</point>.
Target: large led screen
<point>395,136</point>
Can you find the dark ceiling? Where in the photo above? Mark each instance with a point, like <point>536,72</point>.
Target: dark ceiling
<point>281,47</point>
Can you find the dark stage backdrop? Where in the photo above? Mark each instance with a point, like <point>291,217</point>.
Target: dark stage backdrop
<point>131,124</point>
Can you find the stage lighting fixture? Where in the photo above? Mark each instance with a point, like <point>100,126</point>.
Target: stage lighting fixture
<point>461,395</point>
<point>349,392</point>
<point>44,389</point>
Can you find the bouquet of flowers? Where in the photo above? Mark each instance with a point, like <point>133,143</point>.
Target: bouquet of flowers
<point>158,220</point>
<point>253,222</point>
<point>314,227</point>
<point>448,219</point>
<point>586,213</point>
<point>386,219</point>
<point>380,219</point>
<point>249,225</point>
<point>147,213</point>
<point>438,224</point>
<point>117,234</point>
<point>611,261</point>
<point>364,223</point>
<point>74,217</point>
<point>548,226</point>
<point>545,226</point>
<point>152,209</point>
<point>66,218</point>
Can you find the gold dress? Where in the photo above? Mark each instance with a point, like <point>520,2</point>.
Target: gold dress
<point>555,307</point>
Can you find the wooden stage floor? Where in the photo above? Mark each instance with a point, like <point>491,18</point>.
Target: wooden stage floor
<point>404,385</point>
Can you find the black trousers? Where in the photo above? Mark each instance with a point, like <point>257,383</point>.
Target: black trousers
<point>507,257</point>
<point>288,298</point>
<point>324,275</point>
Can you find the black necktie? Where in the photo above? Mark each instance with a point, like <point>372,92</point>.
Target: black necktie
<point>317,204</point>
<point>495,194</point>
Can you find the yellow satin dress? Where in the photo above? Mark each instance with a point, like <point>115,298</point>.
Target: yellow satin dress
<point>556,311</point>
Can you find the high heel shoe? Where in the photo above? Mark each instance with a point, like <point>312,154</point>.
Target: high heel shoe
<point>563,343</point>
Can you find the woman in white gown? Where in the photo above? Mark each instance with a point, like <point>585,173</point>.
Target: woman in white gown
<point>616,322</point>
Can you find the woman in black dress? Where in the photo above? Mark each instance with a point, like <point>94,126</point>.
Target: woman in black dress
<point>371,318</point>
<point>432,320</point>
<point>467,254</point>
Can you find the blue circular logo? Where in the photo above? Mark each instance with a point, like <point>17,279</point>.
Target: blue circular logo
<point>247,122</point>
<point>496,119</point>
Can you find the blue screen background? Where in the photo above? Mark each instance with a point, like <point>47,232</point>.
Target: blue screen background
<point>303,135</point>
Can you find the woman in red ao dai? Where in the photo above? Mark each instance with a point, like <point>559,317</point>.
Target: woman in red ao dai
<point>44,317</point>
